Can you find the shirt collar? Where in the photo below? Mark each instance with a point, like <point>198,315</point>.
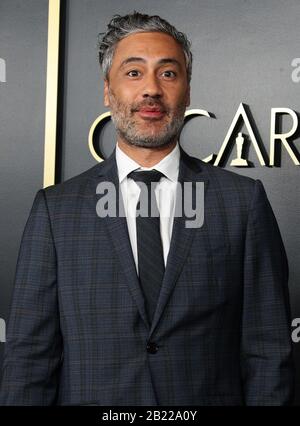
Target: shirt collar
<point>169,165</point>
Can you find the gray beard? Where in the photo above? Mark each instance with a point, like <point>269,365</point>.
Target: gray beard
<point>132,136</point>
<point>166,138</point>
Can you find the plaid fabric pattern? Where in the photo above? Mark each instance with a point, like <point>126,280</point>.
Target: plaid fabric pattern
<point>78,333</point>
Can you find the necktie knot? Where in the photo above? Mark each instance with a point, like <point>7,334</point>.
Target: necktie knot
<point>146,176</point>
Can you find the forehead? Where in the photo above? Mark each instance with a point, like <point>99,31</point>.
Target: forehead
<point>151,45</point>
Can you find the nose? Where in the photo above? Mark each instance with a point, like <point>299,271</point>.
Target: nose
<point>152,87</point>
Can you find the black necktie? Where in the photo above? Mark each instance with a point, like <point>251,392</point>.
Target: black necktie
<point>149,245</point>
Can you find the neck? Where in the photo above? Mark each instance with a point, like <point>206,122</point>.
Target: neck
<point>146,157</point>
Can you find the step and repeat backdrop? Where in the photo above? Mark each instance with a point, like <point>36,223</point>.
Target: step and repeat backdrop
<point>244,112</point>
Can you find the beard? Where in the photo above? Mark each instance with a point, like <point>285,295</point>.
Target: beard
<point>156,133</point>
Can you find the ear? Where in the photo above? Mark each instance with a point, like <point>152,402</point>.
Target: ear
<point>106,95</point>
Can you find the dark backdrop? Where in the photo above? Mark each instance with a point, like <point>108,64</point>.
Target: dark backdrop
<point>243,51</point>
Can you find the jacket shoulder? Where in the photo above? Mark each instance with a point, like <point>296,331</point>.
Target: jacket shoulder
<point>75,184</point>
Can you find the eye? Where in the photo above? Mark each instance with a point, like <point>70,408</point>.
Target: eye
<point>169,74</point>
<point>133,73</point>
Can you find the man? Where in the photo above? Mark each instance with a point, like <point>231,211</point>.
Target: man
<point>116,311</point>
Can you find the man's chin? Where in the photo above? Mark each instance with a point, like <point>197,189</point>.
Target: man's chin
<point>146,142</point>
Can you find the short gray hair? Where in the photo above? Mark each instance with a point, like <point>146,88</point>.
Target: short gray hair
<point>122,26</point>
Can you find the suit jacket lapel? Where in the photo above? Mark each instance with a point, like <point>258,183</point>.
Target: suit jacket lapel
<point>181,237</point>
<point>118,230</point>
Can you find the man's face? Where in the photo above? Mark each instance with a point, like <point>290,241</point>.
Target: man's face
<point>147,90</point>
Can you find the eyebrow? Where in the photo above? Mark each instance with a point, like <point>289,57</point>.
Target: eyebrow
<point>160,62</point>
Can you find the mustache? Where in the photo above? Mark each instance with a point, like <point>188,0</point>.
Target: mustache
<point>154,103</point>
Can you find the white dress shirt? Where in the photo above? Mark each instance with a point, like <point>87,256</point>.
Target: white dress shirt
<point>165,193</point>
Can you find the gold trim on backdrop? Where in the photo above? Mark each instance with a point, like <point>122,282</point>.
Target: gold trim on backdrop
<point>51,93</point>
<point>98,120</point>
<point>197,111</point>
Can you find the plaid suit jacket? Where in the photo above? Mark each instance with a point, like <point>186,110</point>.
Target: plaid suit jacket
<point>78,333</point>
